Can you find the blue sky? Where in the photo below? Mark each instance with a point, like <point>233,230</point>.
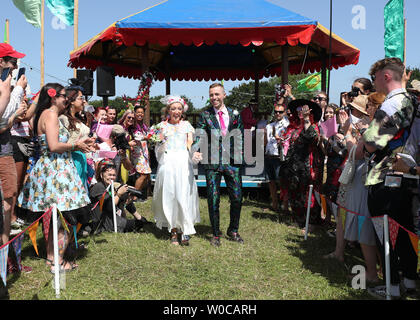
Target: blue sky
<point>96,15</point>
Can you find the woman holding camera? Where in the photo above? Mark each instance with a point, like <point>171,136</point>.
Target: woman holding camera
<point>175,196</point>
<point>54,179</point>
<point>103,219</point>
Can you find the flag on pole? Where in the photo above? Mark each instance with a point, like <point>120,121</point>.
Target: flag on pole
<point>394,29</point>
<point>311,83</point>
<point>4,253</point>
<point>62,9</point>
<point>32,235</point>
<point>31,9</point>
<point>6,27</point>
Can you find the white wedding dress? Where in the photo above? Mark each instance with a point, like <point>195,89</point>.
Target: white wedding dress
<point>175,196</point>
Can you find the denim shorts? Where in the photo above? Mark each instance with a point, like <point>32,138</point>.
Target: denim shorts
<point>272,168</point>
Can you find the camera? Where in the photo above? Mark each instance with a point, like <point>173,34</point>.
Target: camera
<point>354,92</point>
<point>120,142</point>
<point>280,91</point>
<point>131,191</point>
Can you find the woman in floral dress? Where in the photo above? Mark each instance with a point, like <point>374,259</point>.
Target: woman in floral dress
<point>54,178</point>
<point>140,153</point>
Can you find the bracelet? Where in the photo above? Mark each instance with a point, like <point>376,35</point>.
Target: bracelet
<point>72,146</point>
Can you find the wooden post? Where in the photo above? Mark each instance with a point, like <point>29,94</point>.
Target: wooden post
<point>7,31</point>
<point>42,41</point>
<point>76,30</point>
<point>285,64</point>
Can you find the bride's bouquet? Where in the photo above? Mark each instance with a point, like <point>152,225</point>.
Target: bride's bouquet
<point>155,134</point>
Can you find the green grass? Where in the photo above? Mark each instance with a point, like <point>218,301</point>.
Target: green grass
<point>275,263</point>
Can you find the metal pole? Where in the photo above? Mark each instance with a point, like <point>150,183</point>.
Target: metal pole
<point>113,206</point>
<point>55,244</point>
<point>308,211</point>
<point>387,258</point>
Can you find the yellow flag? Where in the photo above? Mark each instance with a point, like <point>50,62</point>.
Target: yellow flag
<point>63,222</point>
<point>32,234</point>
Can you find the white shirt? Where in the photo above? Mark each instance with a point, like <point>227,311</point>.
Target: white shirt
<point>277,127</point>
<point>14,102</point>
<point>225,116</point>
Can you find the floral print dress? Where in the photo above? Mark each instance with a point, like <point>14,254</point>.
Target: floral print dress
<point>53,180</point>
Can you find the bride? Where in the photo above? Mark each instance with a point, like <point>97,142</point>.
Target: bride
<point>175,197</point>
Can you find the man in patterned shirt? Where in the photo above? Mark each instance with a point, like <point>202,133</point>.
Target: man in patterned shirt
<point>389,193</point>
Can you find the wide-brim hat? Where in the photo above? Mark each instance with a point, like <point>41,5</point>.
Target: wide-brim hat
<point>315,108</point>
<point>415,86</point>
<point>360,103</point>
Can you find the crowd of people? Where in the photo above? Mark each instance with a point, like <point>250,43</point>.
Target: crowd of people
<point>52,154</point>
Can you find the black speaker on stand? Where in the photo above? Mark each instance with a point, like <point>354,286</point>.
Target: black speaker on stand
<point>105,83</point>
<point>85,78</point>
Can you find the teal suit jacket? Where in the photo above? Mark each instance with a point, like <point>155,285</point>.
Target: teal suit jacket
<point>220,150</point>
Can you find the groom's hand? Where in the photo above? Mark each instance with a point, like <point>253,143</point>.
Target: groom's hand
<point>197,157</point>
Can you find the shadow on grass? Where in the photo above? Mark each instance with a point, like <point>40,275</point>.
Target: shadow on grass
<point>270,215</point>
<point>311,252</point>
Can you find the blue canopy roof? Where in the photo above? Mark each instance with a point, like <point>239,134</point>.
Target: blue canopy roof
<point>214,14</point>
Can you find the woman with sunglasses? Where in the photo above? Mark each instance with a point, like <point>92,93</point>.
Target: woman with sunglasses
<point>54,179</point>
<point>128,122</point>
<point>103,213</point>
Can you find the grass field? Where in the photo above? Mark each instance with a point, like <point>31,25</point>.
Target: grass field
<point>275,263</point>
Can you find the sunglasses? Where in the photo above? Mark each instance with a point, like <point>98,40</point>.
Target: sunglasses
<point>320,98</point>
<point>373,77</point>
<point>81,98</point>
<point>279,112</point>
<point>130,118</point>
<point>61,95</point>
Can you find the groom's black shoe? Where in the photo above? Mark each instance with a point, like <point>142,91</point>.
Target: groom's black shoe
<point>234,236</point>
<point>215,241</point>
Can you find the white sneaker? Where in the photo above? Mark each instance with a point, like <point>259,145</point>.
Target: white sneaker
<point>379,292</point>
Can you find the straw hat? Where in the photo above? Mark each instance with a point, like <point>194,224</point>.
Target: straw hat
<point>360,103</point>
<point>415,86</point>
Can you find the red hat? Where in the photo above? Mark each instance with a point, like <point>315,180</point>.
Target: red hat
<point>6,50</point>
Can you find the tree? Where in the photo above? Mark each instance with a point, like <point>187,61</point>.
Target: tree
<point>239,96</point>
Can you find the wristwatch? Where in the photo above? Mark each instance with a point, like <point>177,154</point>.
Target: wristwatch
<point>413,170</point>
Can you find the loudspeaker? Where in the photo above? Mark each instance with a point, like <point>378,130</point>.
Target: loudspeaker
<point>85,78</point>
<point>105,81</point>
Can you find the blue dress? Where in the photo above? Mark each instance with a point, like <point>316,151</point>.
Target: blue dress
<point>53,180</point>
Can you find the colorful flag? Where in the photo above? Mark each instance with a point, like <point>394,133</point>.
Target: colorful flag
<point>6,38</point>
<point>415,242</point>
<point>378,223</point>
<point>4,253</point>
<point>31,9</point>
<point>311,83</point>
<point>17,248</point>
<point>394,29</point>
<point>46,219</point>
<point>32,234</point>
<point>62,9</point>
<point>393,231</point>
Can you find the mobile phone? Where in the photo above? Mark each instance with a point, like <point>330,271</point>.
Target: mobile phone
<point>5,74</point>
<point>21,73</point>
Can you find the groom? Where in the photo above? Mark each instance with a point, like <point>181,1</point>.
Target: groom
<point>222,129</point>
